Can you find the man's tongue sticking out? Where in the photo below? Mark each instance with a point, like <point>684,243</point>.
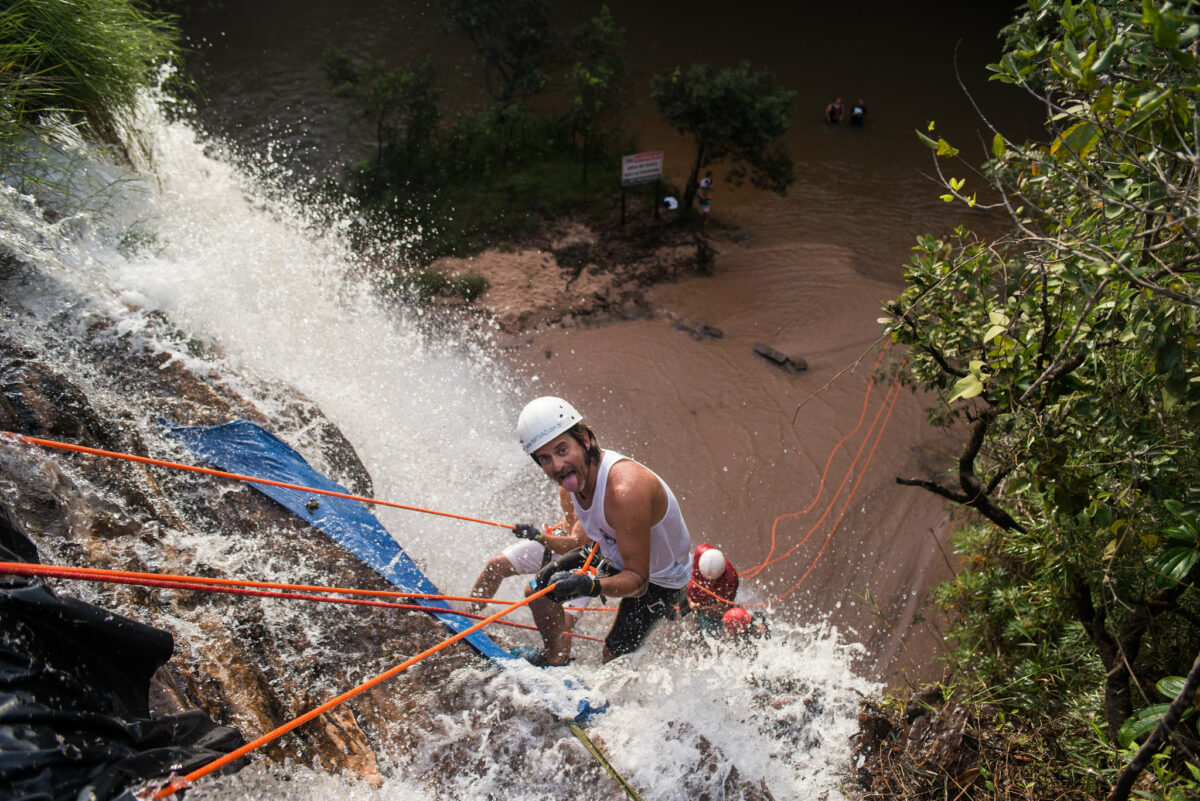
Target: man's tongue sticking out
<point>570,482</point>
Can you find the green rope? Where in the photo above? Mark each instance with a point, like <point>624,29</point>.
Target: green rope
<point>595,752</point>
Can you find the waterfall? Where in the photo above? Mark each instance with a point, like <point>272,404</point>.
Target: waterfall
<point>208,263</point>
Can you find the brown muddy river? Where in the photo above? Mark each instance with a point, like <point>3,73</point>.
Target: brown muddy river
<point>805,274</point>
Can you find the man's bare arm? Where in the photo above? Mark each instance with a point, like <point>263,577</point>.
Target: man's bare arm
<point>634,502</point>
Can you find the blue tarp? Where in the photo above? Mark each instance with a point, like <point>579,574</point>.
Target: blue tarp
<point>245,448</point>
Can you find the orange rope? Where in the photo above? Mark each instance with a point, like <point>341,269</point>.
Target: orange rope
<point>95,571</point>
<point>752,572</point>
<point>893,392</point>
<point>588,562</point>
<point>183,583</point>
<point>179,784</point>
<point>49,443</point>
<point>889,402</point>
<point>841,514</point>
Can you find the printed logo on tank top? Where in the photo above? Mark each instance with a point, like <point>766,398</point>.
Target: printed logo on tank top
<point>608,537</point>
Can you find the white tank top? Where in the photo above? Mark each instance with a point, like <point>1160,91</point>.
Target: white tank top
<point>670,544</point>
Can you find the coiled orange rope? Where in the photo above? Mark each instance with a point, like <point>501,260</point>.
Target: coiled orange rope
<point>876,428</point>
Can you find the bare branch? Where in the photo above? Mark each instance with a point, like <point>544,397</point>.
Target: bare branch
<point>1162,731</point>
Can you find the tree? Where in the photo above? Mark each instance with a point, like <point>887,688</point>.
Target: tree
<point>599,81</point>
<point>390,99</point>
<point>512,40</point>
<point>732,115</point>
<point>1068,348</point>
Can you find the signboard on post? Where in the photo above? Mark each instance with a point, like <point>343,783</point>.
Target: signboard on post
<point>641,168</point>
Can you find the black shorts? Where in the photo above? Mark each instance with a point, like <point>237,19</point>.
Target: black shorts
<point>637,617</point>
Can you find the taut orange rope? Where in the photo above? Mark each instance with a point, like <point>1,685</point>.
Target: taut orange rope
<point>182,583</point>
<point>217,764</point>
<point>268,585</point>
<point>49,443</point>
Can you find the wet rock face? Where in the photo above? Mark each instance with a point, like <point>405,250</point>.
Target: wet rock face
<point>35,398</point>
<point>251,663</point>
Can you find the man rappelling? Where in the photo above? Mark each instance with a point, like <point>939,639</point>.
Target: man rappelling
<point>622,506</point>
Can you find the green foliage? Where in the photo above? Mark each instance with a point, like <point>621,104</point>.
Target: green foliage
<point>471,286</point>
<point>512,41</point>
<point>599,80</point>
<point>480,180</point>
<point>1176,560</point>
<point>733,115</point>
<point>1068,350</point>
<point>392,100</point>
<point>85,59</point>
<point>425,285</point>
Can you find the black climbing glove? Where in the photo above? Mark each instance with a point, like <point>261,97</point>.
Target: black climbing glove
<point>572,585</point>
<point>526,531</point>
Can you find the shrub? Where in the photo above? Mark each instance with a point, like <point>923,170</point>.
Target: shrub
<point>471,286</point>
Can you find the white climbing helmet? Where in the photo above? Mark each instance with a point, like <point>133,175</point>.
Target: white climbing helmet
<point>543,419</point>
<point>712,564</point>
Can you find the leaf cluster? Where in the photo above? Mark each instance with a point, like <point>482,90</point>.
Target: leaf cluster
<point>512,39</point>
<point>598,81</point>
<point>1068,350</point>
<point>401,103</point>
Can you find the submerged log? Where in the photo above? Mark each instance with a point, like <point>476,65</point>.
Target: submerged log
<point>793,364</point>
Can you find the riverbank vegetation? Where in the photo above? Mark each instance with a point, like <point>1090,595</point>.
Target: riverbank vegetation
<point>1067,353</point>
<point>81,64</point>
<point>549,141</point>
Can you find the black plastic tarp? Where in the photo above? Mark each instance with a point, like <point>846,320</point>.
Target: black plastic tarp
<point>75,721</point>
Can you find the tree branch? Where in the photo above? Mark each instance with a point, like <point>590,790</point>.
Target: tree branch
<point>1162,731</point>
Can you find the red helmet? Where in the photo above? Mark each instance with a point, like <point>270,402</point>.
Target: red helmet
<point>736,620</point>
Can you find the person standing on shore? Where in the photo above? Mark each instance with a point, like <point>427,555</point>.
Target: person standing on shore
<point>705,196</point>
<point>627,511</point>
